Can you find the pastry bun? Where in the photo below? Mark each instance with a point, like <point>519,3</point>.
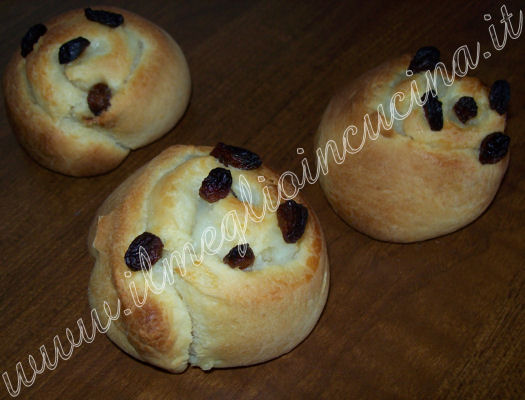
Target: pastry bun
<point>227,309</point>
<point>430,173</point>
<point>89,85</point>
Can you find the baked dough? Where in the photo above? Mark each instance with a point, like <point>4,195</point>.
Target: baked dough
<point>47,102</point>
<point>212,315</point>
<point>411,183</point>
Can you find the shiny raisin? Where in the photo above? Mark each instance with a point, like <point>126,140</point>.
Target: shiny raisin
<point>70,51</point>
<point>425,59</point>
<point>107,18</point>
<point>237,157</point>
<point>499,96</point>
<point>151,246</point>
<point>240,256</point>
<point>99,97</point>
<point>433,111</point>
<point>216,185</point>
<point>493,148</point>
<point>466,108</point>
<point>31,37</point>
<point>292,218</point>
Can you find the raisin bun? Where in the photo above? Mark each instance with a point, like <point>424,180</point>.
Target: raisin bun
<point>258,283</point>
<point>435,169</point>
<point>89,85</point>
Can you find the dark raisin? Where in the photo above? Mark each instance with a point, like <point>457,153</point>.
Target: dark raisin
<point>433,111</point>
<point>151,246</point>
<point>499,96</point>
<point>292,218</point>
<point>237,157</point>
<point>466,108</point>
<point>493,148</point>
<point>31,37</point>
<point>240,256</point>
<point>216,185</point>
<point>99,97</point>
<point>108,18</point>
<point>425,59</point>
<point>70,51</point>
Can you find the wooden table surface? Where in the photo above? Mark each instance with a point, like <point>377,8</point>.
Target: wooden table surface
<point>443,318</point>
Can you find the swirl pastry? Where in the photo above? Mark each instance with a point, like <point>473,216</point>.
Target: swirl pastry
<point>254,291</point>
<point>435,169</point>
<point>89,85</point>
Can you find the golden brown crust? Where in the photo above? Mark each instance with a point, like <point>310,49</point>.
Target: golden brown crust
<point>411,183</point>
<point>47,101</point>
<point>211,315</point>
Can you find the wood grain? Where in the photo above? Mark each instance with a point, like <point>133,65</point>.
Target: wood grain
<point>441,319</point>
